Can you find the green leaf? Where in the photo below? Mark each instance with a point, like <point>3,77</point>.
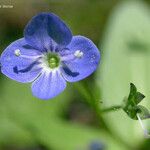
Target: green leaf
<point>134,97</point>
<point>130,104</point>
<point>139,97</point>
<point>131,98</point>
<point>143,112</point>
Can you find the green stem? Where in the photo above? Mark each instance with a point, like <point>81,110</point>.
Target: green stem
<point>92,100</point>
<point>112,108</point>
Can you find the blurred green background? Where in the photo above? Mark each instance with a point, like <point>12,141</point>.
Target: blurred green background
<point>73,120</point>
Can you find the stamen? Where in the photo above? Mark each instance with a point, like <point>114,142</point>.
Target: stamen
<point>17,53</point>
<point>78,54</point>
<point>146,133</point>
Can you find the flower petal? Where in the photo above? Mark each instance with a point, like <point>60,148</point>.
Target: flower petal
<point>19,68</point>
<point>45,30</point>
<point>86,60</point>
<point>48,85</point>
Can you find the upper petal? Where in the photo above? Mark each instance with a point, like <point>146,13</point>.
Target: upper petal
<point>48,85</point>
<point>45,30</point>
<point>84,62</point>
<point>19,68</point>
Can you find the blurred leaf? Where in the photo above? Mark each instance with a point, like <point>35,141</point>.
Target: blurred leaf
<point>126,59</point>
<point>43,121</point>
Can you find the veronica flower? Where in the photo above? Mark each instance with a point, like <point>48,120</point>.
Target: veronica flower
<point>48,55</point>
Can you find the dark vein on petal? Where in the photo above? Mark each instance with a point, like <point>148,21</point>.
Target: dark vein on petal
<point>27,69</point>
<point>68,71</point>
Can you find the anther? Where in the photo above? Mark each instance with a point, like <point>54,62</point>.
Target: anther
<point>17,52</point>
<point>78,54</point>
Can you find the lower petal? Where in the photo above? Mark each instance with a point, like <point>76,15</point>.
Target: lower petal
<point>85,62</point>
<point>48,85</point>
<point>19,68</point>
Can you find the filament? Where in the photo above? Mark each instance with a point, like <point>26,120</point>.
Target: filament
<point>77,54</point>
<point>17,53</point>
<point>67,57</point>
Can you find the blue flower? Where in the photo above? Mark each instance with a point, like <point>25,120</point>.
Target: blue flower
<point>96,145</point>
<point>48,55</point>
